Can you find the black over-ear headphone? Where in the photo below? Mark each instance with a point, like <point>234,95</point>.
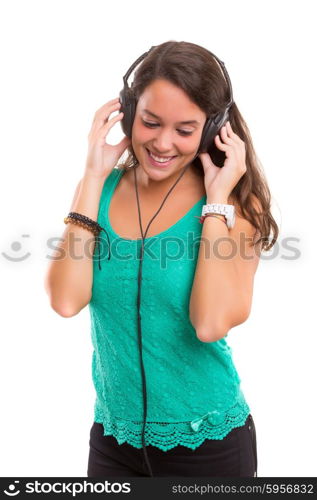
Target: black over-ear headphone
<point>211,127</point>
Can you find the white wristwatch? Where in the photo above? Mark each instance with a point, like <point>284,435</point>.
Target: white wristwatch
<point>221,208</point>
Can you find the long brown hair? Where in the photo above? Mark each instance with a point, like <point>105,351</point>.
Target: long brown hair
<point>193,69</point>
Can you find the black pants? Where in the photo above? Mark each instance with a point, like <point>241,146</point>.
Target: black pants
<point>233,456</point>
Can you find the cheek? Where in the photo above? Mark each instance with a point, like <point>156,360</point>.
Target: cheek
<point>188,146</point>
<point>141,134</point>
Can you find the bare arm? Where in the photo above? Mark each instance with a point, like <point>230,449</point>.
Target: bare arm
<point>222,290</point>
<point>68,281</point>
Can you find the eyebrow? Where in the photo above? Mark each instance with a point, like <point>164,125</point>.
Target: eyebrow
<point>187,122</point>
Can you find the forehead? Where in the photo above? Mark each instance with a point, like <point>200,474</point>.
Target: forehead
<point>165,99</point>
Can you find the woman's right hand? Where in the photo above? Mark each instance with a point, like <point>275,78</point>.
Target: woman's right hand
<point>102,157</point>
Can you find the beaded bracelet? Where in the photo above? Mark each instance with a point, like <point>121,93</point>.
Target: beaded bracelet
<point>84,221</point>
<point>87,223</point>
<point>217,216</point>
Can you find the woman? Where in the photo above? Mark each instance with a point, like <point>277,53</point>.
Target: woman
<point>197,273</point>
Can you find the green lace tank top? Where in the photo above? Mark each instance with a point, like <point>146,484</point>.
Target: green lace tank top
<point>193,388</point>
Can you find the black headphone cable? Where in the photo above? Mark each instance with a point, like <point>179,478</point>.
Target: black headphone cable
<point>138,307</point>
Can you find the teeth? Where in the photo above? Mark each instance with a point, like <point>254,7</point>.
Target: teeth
<point>159,158</point>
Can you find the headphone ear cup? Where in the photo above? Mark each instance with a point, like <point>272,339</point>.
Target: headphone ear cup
<point>210,130</point>
<point>207,136</point>
<point>128,107</point>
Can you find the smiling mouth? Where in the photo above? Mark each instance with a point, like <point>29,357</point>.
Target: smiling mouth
<point>158,158</point>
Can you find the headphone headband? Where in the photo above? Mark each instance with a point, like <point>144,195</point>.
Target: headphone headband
<point>136,62</point>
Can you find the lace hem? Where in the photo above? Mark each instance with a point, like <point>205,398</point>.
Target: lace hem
<point>212,425</point>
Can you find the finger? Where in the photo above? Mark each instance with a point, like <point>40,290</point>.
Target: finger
<point>104,112</point>
<point>206,161</point>
<point>103,117</point>
<point>230,132</point>
<point>205,158</point>
<point>225,137</point>
<point>102,132</point>
<point>220,145</point>
<point>233,135</point>
<point>106,105</point>
<point>107,126</point>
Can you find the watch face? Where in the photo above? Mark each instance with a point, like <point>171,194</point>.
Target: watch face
<point>227,210</point>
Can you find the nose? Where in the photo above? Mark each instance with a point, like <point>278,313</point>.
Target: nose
<point>163,142</point>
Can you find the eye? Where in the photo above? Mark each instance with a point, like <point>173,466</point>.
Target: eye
<point>153,125</point>
<point>184,132</point>
<point>149,124</point>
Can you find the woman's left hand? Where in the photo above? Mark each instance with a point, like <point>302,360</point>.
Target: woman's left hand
<point>220,181</point>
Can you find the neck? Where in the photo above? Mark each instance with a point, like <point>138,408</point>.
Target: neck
<point>158,186</point>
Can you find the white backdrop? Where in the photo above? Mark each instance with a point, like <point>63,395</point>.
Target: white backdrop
<point>61,61</point>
